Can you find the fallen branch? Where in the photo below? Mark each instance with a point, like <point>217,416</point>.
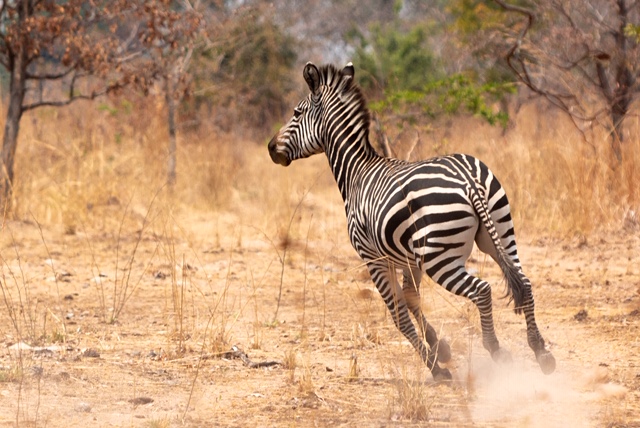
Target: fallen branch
<point>239,353</point>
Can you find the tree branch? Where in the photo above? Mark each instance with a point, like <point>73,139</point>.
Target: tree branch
<point>517,63</point>
<point>50,76</point>
<point>519,9</point>
<point>73,98</point>
<point>604,81</point>
<point>563,11</point>
<point>125,45</point>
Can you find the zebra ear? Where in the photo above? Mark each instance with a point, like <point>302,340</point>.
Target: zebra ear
<point>348,70</point>
<point>312,77</point>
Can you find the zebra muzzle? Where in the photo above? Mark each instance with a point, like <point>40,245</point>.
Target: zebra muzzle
<point>276,155</point>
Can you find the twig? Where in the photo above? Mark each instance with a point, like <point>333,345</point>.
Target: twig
<point>239,353</point>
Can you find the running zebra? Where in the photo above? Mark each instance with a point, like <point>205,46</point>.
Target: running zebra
<point>420,217</point>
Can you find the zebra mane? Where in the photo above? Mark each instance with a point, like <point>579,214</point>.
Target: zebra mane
<point>331,76</point>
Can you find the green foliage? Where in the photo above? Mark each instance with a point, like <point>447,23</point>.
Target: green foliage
<point>473,16</point>
<point>391,59</point>
<point>399,69</point>
<point>448,95</point>
<point>632,31</point>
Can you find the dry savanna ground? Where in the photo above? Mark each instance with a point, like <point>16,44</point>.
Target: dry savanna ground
<point>237,300</point>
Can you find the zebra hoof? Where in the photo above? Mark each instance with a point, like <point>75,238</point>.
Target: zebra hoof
<point>501,356</point>
<point>443,351</point>
<point>441,375</point>
<point>547,362</point>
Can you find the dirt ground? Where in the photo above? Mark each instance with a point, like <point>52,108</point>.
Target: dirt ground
<point>137,328</point>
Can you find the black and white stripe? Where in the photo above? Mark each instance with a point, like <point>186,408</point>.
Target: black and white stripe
<point>420,217</point>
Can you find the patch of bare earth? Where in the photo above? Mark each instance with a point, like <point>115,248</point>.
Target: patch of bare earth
<point>166,359</point>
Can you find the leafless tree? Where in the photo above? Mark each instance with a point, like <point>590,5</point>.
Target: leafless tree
<point>60,51</point>
<point>579,56</point>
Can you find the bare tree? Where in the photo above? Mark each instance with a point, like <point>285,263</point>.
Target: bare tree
<point>173,55</point>
<point>580,56</point>
<point>60,51</point>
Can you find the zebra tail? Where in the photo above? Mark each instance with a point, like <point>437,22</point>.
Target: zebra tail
<point>515,282</point>
<point>515,285</point>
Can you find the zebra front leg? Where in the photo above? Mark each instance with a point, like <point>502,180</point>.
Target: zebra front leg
<point>411,289</point>
<point>384,277</point>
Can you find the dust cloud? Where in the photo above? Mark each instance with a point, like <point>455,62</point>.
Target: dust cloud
<point>518,394</point>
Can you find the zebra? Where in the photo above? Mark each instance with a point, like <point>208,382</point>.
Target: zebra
<point>415,217</point>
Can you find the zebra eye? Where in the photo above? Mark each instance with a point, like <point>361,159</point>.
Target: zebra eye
<point>297,112</point>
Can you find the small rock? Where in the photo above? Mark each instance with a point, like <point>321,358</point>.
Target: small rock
<point>159,275</point>
<point>138,401</point>
<point>256,394</point>
<point>186,267</point>
<point>83,407</point>
<point>43,351</point>
<point>581,316</point>
<point>63,276</point>
<point>20,346</point>
<point>91,353</point>
<point>36,371</point>
<point>112,200</point>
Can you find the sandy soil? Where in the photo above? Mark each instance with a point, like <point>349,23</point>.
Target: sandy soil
<point>186,292</point>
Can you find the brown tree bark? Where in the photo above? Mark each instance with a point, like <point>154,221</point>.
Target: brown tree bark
<point>171,112</point>
<point>14,114</point>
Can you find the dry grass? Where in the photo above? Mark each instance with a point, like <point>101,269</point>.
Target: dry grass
<point>558,184</point>
<point>188,272</point>
<point>80,173</point>
<point>413,401</point>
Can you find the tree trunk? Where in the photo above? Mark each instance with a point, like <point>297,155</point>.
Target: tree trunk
<point>622,93</point>
<point>171,112</point>
<point>18,63</point>
<point>618,113</point>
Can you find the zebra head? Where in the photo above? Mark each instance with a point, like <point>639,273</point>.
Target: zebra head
<point>306,132</point>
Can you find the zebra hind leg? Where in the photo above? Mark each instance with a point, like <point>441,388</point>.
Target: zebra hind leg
<point>411,289</point>
<point>384,277</point>
<point>545,359</point>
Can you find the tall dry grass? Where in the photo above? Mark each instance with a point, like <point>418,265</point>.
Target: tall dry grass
<point>559,185</point>
<point>76,166</point>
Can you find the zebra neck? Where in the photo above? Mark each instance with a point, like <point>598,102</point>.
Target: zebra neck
<point>348,159</point>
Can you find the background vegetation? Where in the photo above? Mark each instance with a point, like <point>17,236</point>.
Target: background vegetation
<point>219,78</point>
